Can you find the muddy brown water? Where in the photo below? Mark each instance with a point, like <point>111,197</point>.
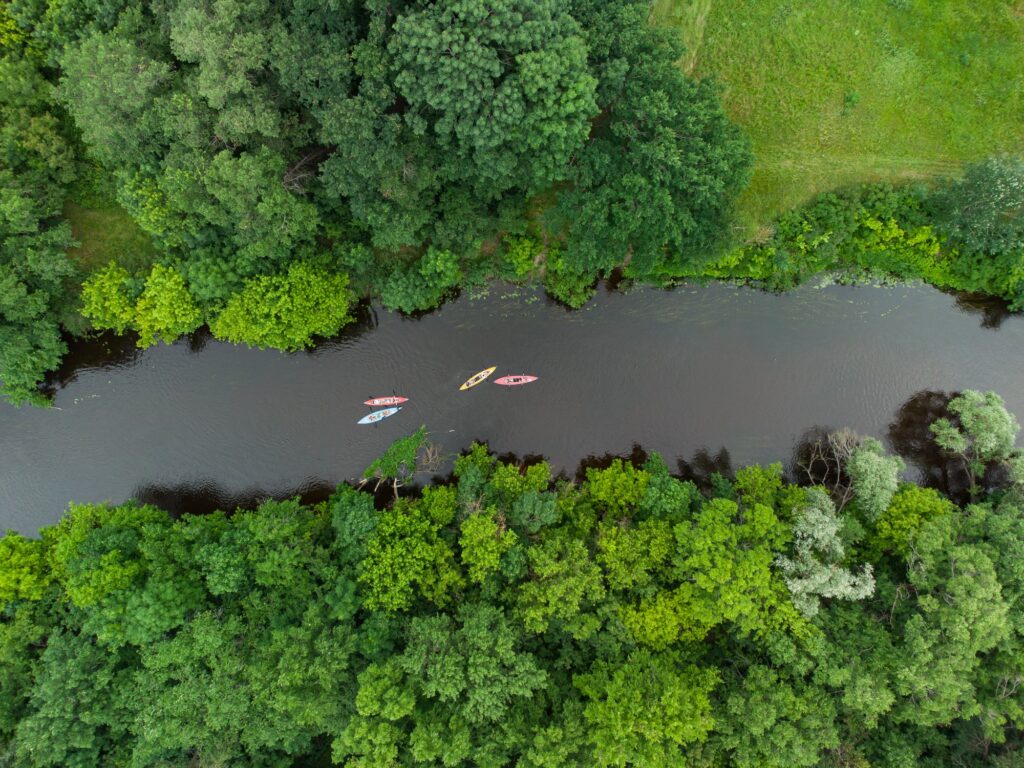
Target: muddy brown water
<point>202,424</point>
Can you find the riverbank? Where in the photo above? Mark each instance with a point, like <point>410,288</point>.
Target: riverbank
<point>508,617</point>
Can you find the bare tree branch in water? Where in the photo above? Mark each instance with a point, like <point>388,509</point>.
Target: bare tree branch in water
<point>821,461</point>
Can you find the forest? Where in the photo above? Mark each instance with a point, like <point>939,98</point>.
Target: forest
<point>626,617</point>
<point>259,167</point>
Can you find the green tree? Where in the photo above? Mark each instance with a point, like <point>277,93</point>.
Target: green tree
<point>423,284</point>
<point>982,215</point>
<point>646,710</point>
<point>165,309</point>
<point>874,477</point>
<point>815,570</point>
<point>653,187</point>
<point>768,721</point>
<point>36,163</point>
<point>106,301</point>
<point>472,663</point>
<point>958,616</point>
<point>79,711</point>
<point>563,583</point>
<point>110,86</point>
<point>503,86</point>
<point>286,311</point>
<point>983,432</point>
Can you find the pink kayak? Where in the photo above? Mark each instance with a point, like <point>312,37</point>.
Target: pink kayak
<point>389,400</point>
<point>512,381</point>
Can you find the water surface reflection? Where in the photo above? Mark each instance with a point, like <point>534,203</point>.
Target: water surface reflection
<point>687,373</point>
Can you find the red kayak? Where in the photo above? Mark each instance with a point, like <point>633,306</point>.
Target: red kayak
<point>512,381</point>
<point>389,400</point>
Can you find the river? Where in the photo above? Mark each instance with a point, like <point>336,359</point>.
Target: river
<point>202,424</point>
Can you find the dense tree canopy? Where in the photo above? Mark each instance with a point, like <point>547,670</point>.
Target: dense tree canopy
<point>241,131</point>
<point>36,164</point>
<point>509,619</point>
<point>395,143</point>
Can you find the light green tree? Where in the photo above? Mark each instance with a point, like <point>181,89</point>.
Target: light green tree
<point>407,559</point>
<point>646,710</point>
<point>165,309</point>
<point>106,301</point>
<point>483,541</point>
<point>874,477</point>
<point>286,311</point>
<point>911,507</point>
<point>984,432</point>
<point>816,570</point>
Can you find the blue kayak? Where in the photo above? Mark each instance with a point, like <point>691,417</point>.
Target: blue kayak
<point>373,418</point>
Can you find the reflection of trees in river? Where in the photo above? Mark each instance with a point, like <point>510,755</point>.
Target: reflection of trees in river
<point>364,320</point>
<point>87,353</point>
<point>110,350</point>
<point>704,465</point>
<point>205,496</point>
<point>992,309</point>
<point>910,437</point>
<point>637,456</point>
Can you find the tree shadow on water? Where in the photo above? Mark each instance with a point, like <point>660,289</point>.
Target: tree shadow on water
<point>991,309</point>
<point>205,496</point>
<point>637,457</point>
<point>89,353</point>
<point>704,465</point>
<point>909,436</point>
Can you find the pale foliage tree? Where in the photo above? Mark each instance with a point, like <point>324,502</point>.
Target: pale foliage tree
<point>815,569</point>
<point>874,477</point>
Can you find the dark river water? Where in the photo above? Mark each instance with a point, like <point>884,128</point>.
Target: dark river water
<point>202,424</point>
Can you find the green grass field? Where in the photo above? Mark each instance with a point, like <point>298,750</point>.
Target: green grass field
<point>108,234</point>
<point>835,92</point>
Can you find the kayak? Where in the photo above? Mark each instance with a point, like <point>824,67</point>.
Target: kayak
<point>472,381</point>
<point>373,418</point>
<point>512,381</point>
<point>389,400</point>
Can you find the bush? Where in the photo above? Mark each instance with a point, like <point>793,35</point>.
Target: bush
<point>569,286</point>
<point>105,299</point>
<point>166,309</point>
<point>982,215</point>
<point>424,284</point>
<point>286,311</point>
<point>520,255</point>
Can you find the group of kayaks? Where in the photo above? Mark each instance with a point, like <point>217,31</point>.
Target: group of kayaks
<point>392,404</point>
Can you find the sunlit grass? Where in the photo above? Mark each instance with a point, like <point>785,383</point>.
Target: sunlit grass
<point>834,92</point>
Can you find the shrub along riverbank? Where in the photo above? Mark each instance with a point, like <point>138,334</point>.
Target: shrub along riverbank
<point>503,618</point>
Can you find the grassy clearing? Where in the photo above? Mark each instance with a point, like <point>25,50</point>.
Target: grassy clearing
<point>108,234</point>
<point>835,92</point>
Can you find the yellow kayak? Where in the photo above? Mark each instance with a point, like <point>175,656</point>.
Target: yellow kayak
<point>472,381</point>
